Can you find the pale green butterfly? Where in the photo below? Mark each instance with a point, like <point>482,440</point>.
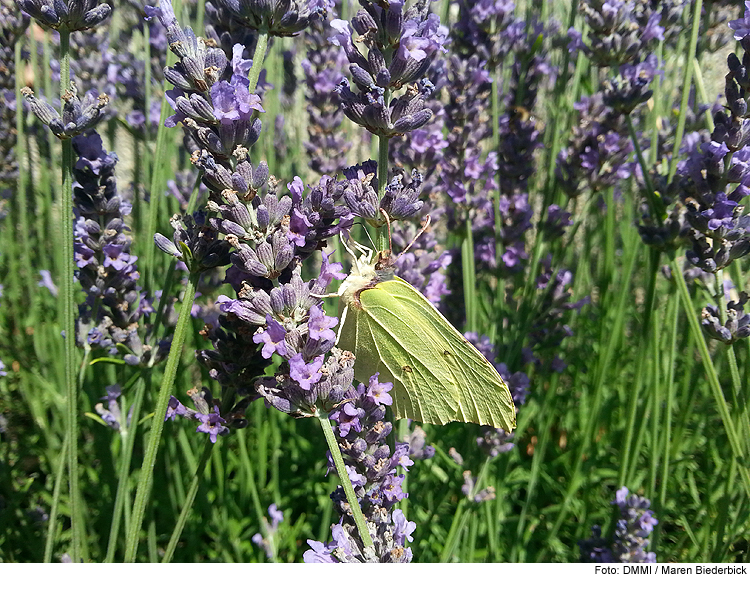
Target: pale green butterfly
<point>438,376</point>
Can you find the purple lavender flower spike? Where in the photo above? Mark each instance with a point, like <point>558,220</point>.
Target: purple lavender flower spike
<point>599,151</point>
<point>213,416</point>
<point>618,33</point>
<point>486,494</point>
<point>278,18</point>
<point>46,281</point>
<point>735,327</point>
<point>194,243</point>
<point>77,116</point>
<point>629,542</point>
<point>112,414</point>
<point>106,270</point>
<point>361,431</point>
<point>412,37</point>
<point>12,26</point>
<point>324,68</point>
<point>417,442</point>
<point>66,15</point>
<point>265,540</point>
<point>713,180</point>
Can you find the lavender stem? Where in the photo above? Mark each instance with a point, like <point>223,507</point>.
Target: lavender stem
<point>380,236</point>
<point>258,57</point>
<point>188,504</point>
<point>351,496</point>
<point>713,378</point>
<point>157,422</point>
<point>57,490</point>
<point>22,197</point>
<point>686,86</point>
<point>68,298</point>
<point>127,435</point>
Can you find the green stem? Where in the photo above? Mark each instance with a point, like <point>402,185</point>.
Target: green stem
<point>157,422</point>
<point>518,550</point>
<point>22,204</point>
<point>250,481</point>
<point>68,298</point>
<point>672,318</point>
<point>468,270</point>
<point>739,404</point>
<point>52,524</point>
<point>686,85</point>
<point>189,499</point>
<point>155,192</point>
<point>381,236</point>
<point>622,476</point>
<point>351,496</point>
<point>713,378</point>
<point>462,515</point>
<point>655,204</point>
<point>127,438</point>
<point>260,54</point>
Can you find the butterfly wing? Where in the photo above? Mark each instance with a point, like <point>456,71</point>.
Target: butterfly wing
<point>438,375</point>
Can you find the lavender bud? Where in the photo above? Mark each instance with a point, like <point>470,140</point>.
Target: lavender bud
<point>66,15</point>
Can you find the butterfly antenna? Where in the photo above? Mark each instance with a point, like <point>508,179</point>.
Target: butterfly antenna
<point>368,237</point>
<point>390,237</point>
<point>422,230</point>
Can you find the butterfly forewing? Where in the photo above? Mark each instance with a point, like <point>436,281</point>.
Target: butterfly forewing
<point>483,396</point>
<point>386,338</point>
<point>438,376</point>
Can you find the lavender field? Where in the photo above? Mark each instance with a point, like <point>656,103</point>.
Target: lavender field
<point>185,188</point>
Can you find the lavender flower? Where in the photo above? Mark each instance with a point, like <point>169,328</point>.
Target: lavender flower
<point>77,116</point>
<point>598,154</point>
<point>620,32</point>
<point>194,243</point>
<point>424,264</point>
<point>417,442</point>
<point>213,416</point>
<point>323,67</point>
<point>361,432</point>
<point>481,29</point>
<point>401,201</point>
<point>548,330</point>
<point>227,32</point>
<point>494,442</point>
<point>630,87</point>
<point>106,269</point>
<point>275,313</point>
<point>112,414</point>
<point>469,487</point>
<point>411,38</point>
<point>266,539</point>
<point>278,18</point>
<point>469,175</point>
<point>629,542</point>
<point>714,178</point>
<point>715,34</point>
<point>70,15</point>
<point>735,327</point>
<point>12,27</point>
<point>46,281</point>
